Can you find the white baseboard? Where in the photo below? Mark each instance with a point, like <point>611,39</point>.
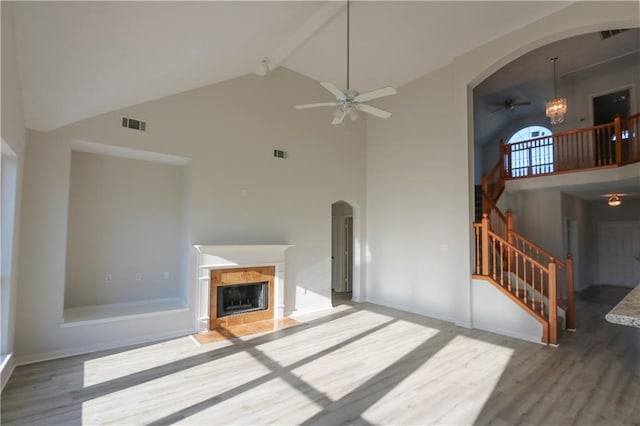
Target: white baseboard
<point>509,333</point>
<point>423,312</point>
<point>309,310</point>
<point>63,353</point>
<point>6,370</point>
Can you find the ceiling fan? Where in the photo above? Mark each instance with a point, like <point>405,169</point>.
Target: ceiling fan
<point>349,102</point>
<point>509,104</point>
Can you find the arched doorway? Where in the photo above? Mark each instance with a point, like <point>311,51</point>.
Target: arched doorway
<point>342,252</point>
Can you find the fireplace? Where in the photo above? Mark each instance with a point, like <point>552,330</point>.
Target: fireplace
<point>241,295</point>
<point>239,299</point>
<point>211,258</point>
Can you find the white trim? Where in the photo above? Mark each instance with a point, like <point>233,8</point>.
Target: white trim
<point>6,369</point>
<point>209,257</point>
<point>62,353</point>
<point>132,154</point>
<point>424,313</point>
<point>295,312</point>
<point>99,314</point>
<point>510,333</point>
<point>81,323</point>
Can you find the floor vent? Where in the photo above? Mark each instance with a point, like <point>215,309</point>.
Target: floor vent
<point>134,124</point>
<point>280,154</point>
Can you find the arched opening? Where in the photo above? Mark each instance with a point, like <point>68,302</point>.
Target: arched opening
<point>342,252</point>
<point>508,104</point>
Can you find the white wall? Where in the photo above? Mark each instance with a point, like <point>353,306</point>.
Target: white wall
<point>13,135</point>
<point>584,262</point>
<point>421,159</point>
<point>493,311</point>
<point>628,211</point>
<point>583,87</point>
<point>125,218</point>
<point>237,192</point>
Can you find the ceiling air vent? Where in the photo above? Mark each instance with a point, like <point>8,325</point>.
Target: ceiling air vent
<point>280,154</point>
<point>134,124</point>
<point>610,33</point>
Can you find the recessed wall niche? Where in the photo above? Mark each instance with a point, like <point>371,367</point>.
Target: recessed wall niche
<point>126,234</point>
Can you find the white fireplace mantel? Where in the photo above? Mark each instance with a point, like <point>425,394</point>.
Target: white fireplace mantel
<point>236,256</point>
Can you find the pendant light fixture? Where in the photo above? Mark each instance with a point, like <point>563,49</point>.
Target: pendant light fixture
<point>557,107</point>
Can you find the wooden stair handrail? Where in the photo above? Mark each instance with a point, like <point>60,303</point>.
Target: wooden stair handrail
<point>539,249</point>
<point>490,263</point>
<point>587,148</point>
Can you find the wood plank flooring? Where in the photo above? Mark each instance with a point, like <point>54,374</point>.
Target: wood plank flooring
<point>356,364</point>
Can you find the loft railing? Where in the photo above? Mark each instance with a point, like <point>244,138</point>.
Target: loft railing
<point>607,145</point>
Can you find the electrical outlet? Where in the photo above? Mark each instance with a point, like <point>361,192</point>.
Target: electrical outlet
<point>139,276</point>
<point>107,278</point>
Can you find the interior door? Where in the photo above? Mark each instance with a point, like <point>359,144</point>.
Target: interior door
<point>619,253</point>
<point>348,253</point>
<point>605,109</point>
<point>335,253</point>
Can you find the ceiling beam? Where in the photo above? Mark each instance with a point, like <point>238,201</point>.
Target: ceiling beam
<point>311,26</point>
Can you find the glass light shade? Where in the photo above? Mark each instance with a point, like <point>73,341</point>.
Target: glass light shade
<point>556,109</point>
<point>615,200</point>
<point>353,113</point>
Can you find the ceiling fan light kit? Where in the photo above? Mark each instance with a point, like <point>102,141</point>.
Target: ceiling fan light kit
<point>350,102</point>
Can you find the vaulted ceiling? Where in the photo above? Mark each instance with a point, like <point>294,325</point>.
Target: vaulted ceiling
<point>80,59</point>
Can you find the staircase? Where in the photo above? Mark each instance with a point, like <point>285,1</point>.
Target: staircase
<point>527,274</point>
<point>530,276</point>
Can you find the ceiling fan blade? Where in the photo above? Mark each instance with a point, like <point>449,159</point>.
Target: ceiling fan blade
<point>338,119</point>
<point>334,90</point>
<point>375,94</point>
<point>521,103</point>
<point>373,110</point>
<point>321,104</point>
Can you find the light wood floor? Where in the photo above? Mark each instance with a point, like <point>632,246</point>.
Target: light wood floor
<point>357,364</point>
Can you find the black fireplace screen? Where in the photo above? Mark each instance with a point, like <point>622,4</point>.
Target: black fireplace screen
<point>242,298</point>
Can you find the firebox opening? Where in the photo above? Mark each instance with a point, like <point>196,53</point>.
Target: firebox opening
<point>243,298</point>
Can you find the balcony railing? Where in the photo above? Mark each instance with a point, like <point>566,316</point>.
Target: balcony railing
<point>608,145</point>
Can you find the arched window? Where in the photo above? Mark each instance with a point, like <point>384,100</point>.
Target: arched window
<point>531,151</point>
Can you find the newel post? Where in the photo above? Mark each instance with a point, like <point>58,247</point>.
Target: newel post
<point>571,320</point>
<point>510,226</point>
<point>618,130</point>
<point>485,192</point>
<point>553,303</point>
<point>485,244</point>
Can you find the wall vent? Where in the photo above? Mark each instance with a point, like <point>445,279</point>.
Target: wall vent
<point>134,124</point>
<point>610,33</point>
<point>277,153</point>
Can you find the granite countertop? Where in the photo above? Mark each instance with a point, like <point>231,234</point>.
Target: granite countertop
<point>627,312</point>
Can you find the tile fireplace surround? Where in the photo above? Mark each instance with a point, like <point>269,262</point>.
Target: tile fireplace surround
<point>211,257</point>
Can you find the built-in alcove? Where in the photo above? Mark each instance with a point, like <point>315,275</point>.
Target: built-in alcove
<point>126,236</point>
